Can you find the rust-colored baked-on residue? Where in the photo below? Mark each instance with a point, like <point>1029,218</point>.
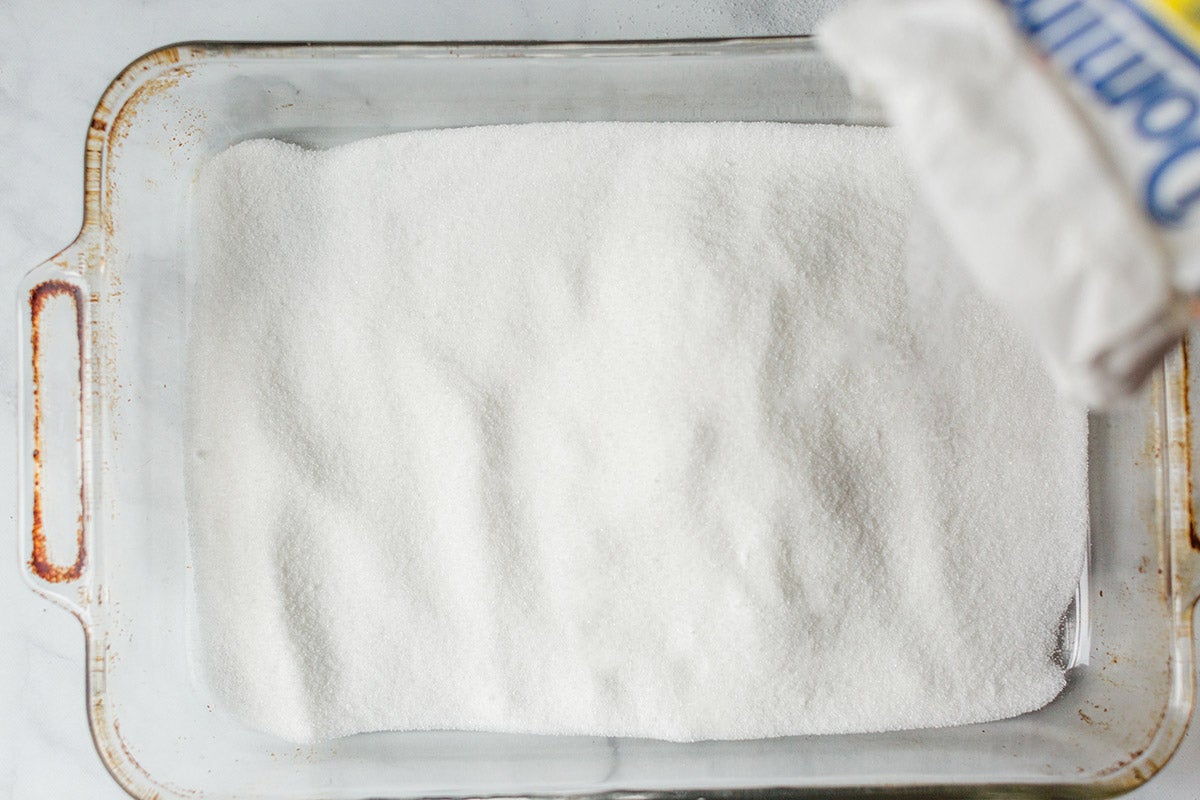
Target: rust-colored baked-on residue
<point>40,561</point>
<point>1193,536</point>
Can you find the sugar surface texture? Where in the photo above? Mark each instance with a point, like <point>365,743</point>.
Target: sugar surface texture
<point>682,431</point>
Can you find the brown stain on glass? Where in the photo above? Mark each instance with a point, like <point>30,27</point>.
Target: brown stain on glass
<point>113,117</point>
<point>1193,536</point>
<point>40,561</point>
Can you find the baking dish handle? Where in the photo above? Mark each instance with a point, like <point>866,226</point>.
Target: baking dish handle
<point>54,416</point>
<point>1182,394</point>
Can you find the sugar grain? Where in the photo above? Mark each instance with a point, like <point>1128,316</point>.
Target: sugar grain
<point>688,431</point>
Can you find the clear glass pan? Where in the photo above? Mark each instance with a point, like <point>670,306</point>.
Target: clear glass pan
<point>104,523</point>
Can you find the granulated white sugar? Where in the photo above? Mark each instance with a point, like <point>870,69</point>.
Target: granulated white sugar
<point>665,430</point>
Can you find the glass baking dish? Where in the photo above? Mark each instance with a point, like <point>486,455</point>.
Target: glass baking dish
<point>103,519</point>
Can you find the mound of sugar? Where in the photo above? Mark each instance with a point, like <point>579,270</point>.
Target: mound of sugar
<point>663,430</point>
